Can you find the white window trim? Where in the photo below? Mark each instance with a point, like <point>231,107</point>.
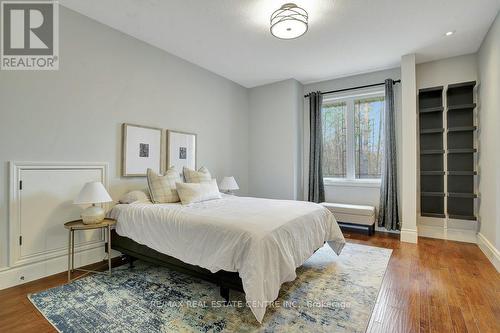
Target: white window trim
<point>348,98</point>
<point>365,182</point>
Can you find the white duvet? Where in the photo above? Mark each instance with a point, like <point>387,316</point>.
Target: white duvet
<point>263,240</point>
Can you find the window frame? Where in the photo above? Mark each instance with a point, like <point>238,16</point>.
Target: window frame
<point>349,98</point>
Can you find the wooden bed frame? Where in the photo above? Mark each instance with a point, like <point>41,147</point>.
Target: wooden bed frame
<point>133,250</point>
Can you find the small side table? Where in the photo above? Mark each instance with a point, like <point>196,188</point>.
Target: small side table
<point>79,225</point>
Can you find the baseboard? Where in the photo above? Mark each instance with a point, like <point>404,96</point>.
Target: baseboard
<point>490,251</point>
<point>459,235</point>
<point>409,235</point>
<point>14,276</point>
<point>382,229</point>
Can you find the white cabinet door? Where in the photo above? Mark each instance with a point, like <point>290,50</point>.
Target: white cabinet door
<point>45,204</point>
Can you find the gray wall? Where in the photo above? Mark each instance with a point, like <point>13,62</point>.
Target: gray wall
<point>275,126</point>
<point>447,71</point>
<point>489,137</point>
<point>355,194</point>
<point>107,78</point>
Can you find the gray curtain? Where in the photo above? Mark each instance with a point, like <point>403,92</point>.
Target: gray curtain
<point>316,186</point>
<point>388,215</point>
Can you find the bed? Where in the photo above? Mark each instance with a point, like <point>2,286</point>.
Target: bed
<point>249,244</point>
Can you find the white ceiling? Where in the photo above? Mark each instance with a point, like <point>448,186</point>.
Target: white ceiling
<point>232,39</point>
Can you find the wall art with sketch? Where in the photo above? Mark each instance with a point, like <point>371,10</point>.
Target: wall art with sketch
<point>141,149</point>
<point>181,150</point>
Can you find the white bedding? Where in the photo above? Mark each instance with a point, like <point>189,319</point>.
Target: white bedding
<point>264,240</point>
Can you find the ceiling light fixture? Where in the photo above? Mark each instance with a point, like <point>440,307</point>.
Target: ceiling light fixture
<point>289,22</point>
<point>449,33</point>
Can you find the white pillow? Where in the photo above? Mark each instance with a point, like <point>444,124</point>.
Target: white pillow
<point>134,196</point>
<point>197,192</point>
<point>200,176</point>
<point>162,188</point>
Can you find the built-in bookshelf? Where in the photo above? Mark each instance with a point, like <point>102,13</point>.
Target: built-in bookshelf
<point>447,151</point>
<point>461,151</point>
<point>432,192</point>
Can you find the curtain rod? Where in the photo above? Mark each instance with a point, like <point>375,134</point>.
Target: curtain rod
<point>353,88</point>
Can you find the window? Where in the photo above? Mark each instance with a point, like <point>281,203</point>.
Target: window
<point>368,136</point>
<point>352,136</point>
<point>334,140</point>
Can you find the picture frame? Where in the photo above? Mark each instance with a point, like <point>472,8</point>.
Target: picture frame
<point>141,149</point>
<point>181,150</point>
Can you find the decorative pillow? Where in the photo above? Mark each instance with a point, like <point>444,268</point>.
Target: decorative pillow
<point>198,192</point>
<point>193,176</point>
<point>134,196</point>
<point>162,188</point>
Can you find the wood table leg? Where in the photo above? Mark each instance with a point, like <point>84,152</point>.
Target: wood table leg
<point>69,256</point>
<point>72,250</point>
<point>109,249</point>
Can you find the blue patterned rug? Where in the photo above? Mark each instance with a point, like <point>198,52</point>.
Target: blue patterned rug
<point>330,294</point>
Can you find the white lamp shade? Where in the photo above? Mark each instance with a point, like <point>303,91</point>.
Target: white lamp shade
<point>228,184</point>
<point>92,193</point>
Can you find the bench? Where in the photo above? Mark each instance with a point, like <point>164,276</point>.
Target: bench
<point>353,216</point>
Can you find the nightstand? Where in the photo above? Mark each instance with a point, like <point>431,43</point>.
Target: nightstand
<point>79,225</point>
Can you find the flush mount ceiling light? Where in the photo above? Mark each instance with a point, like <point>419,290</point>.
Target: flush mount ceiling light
<point>449,33</point>
<point>288,22</point>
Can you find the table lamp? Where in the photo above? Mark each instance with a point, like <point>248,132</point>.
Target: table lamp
<point>228,185</point>
<point>93,193</point>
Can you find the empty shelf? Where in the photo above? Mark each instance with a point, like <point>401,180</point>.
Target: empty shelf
<point>433,89</point>
<point>432,173</point>
<point>432,215</point>
<point>462,129</point>
<point>434,109</point>
<point>431,130</point>
<point>432,152</point>
<point>462,217</point>
<point>432,194</point>
<point>461,106</point>
<point>462,151</point>
<point>462,173</point>
<point>462,195</point>
<point>462,84</point>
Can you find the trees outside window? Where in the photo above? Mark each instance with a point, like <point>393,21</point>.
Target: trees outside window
<point>334,140</point>
<point>353,136</point>
<point>368,115</point>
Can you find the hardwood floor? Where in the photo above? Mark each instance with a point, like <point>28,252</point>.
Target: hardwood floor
<point>435,286</point>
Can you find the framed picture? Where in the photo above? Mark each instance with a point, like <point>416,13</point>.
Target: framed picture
<point>181,150</point>
<point>141,149</point>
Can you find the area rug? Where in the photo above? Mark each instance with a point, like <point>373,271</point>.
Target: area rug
<point>331,294</point>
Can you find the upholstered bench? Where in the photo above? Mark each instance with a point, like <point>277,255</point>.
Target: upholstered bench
<point>353,216</point>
